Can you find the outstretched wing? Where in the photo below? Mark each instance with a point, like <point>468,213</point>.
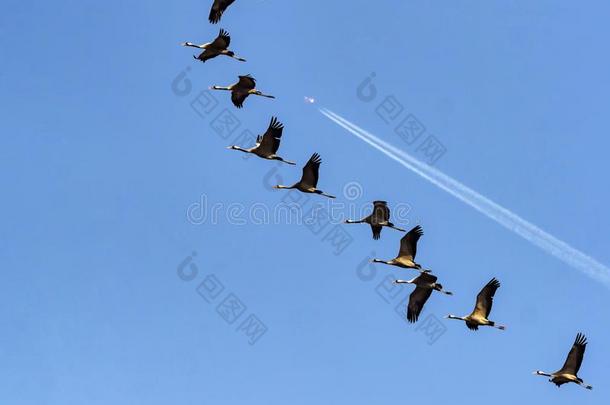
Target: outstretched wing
<point>310,171</point>
<point>574,360</point>
<point>207,55</point>
<point>218,7</point>
<point>270,142</point>
<point>246,82</point>
<point>222,41</point>
<point>381,212</point>
<point>485,298</point>
<point>408,243</point>
<point>417,299</point>
<point>238,98</point>
<point>376,231</point>
<point>426,278</point>
<point>472,326</point>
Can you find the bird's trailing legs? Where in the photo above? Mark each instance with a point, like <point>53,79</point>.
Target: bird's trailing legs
<point>587,386</point>
<point>284,160</point>
<point>440,289</point>
<point>391,225</point>
<point>259,93</point>
<point>493,324</point>
<point>324,194</point>
<point>237,57</point>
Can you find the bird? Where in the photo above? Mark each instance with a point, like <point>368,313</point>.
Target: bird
<point>242,89</point>
<point>407,251</point>
<point>425,284</point>
<point>267,144</point>
<point>218,46</point>
<point>309,179</point>
<point>481,311</point>
<point>569,371</point>
<point>379,218</point>
<point>218,8</point>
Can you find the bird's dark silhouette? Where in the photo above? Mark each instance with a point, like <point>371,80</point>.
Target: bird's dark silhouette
<point>379,218</point>
<point>309,179</point>
<point>219,46</point>
<point>242,89</point>
<point>267,144</point>
<point>569,371</point>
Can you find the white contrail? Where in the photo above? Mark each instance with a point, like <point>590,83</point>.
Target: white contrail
<point>501,215</point>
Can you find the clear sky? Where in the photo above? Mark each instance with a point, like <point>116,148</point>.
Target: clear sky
<point>108,150</point>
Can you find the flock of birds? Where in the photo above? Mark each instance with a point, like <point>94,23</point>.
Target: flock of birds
<point>266,147</point>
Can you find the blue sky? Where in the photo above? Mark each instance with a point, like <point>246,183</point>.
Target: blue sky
<point>101,159</point>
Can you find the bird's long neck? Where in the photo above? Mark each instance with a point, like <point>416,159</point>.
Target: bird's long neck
<point>259,93</point>
<point>283,187</point>
<point>461,318</point>
<point>404,281</point>
<point>239,148</point>
<point>381,261</point>
<point>284,160</point>
<point>194,45</point>
<point>220,88</point>
<point>543,373</point>
<point>353,221</point>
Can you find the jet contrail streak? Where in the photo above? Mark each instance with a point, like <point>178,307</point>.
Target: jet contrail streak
<point>501,215</point>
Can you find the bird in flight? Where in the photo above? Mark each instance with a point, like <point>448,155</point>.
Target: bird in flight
<point>267,144</point>
<point>569,371</point>
<point>481,311</point>
<point>218,8</point>
<point>242,89</point>
<point>219,46</point>
<point>407,251</point>
<point>379,218</point>
<point>309,179</point>
<point>425,283</point>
